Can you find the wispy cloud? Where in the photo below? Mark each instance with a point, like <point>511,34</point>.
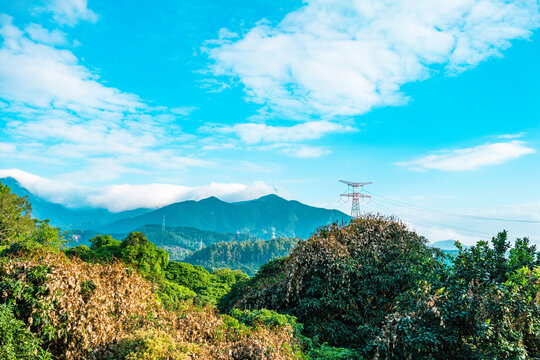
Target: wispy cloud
<point>335,58</point>
<point>39,34</point>
<point>40,75</point>
<point>126,196</point>
<point>57,111</point>
<point>305,151</point>
<point>253,133</point>
<point>70,12</point>
<point>512,136</point>
<point>7,149</point>
<point>301,151</point>
<point>470,158</point>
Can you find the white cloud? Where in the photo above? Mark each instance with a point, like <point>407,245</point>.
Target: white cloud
<point>296,150</point>
<point>252,133</point>
<point>7,149</point>
<point>127,196</point>
<point>40,75</point>
<point>40,34</point>
<point>345,57</point>
<point>440,233</point>
<point>57,111</point>
<point>470,158</point>
<point>305,151</point>
<point>511,136</point>
<point>70,12</point>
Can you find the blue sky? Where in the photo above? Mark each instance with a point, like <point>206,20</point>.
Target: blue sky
<point>126,104</point>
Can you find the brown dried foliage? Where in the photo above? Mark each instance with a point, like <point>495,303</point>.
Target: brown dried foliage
<point>91,321</point>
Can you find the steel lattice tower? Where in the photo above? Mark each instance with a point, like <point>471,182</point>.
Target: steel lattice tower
<point>355,195</point>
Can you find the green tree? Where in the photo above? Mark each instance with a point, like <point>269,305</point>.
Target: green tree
<point>209,287</point>
<point>15,216</point>
<point>343,281</point>
<point>485,308</point>
<point>137,250</point>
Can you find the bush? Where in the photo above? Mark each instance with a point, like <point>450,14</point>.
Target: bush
<point>152,345</point>
<point>173,295</point>
<point>486,308</point>
<point>343,281</point>
<point>17,342</point>
<point>267,318</point>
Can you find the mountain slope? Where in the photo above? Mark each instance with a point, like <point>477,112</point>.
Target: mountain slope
<point>257,217</point>
<point>246,256</point>
<point>65,217</point>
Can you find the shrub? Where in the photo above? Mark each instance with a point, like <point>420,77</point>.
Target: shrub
<point>268,318</point>
<point>17,342</point>
<point>83,310</point>
<point>343,281</point>
<point>153,345</point>
<point>487,308</point>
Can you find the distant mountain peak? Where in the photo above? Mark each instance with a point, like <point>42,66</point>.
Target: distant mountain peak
<point>15,186</point>
<point>210,199</point>
<point>272,196</point>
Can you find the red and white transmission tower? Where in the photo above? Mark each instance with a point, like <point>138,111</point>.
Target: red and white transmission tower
<point>355,195</point>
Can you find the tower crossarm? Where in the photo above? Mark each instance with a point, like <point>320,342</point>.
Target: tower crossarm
<point>356,195</point>
<point>355,184</point>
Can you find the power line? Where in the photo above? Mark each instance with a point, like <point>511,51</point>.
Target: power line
<point>431,223</point>
<point>447,213</point>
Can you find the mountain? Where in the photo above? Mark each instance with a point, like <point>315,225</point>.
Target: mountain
<point>265,217</point>
<point>64,217</point>
<point>446,245</point>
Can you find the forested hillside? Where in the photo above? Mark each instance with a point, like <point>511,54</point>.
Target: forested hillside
<point>247,256</point>
<point>263,218</point>
<point>177,241</point>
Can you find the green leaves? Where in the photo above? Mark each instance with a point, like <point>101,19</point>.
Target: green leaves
<point>208,287</point>
<point>15,216</point>
<point>16,341</point>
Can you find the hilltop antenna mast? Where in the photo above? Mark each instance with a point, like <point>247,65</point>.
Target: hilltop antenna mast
<point>355,195</point>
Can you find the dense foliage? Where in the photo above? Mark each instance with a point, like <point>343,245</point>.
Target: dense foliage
<point>370,289</point>
<point>107,302</point>
<point>376,288</point>
<point>246,256</point>
<point>342,281</point>
<point>16,341</point>
<point>179,242</point>
<point>178,281</point>
<point>208,287</point>
<point>15,216</point>
<point>485,307</point>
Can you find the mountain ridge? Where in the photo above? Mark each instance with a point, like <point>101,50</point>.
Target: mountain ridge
<point>265,217</point>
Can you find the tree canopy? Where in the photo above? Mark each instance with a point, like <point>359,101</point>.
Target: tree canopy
<point>15,216</point>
